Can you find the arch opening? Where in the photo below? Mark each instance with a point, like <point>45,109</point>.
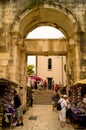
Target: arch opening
<point>45,32</point>
<point>60,18</point>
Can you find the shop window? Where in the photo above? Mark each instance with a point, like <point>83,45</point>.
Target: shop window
<point>49,63</point>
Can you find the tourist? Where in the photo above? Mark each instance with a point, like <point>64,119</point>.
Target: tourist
<point>62,112</point>
<point>35,85</point>
<point>53,101</point>
<point>56,87</point>
<point>45,85</point>
<point>19,110</point>
<point>32,97</point>
<point>55,98</point>
<point>68,111</point>
<point>53,84</point>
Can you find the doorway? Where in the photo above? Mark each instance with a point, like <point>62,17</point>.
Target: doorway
<point>49,83</point>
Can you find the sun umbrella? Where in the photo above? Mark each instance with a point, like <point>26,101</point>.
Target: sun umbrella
<point>35,77</point>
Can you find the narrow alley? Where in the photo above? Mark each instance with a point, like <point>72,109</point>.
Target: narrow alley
<point>41,117</point>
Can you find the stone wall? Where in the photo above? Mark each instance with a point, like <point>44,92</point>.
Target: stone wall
<point>18,18</point>
<point>10,13</point>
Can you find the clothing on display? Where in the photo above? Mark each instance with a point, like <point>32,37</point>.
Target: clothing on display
<point>78,110</point>
<point>6,101</point>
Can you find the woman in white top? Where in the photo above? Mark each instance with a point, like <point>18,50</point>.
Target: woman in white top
<point>62,112</point>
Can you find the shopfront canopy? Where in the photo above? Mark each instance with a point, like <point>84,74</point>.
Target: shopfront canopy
<point>4,81</point>
<point>80,82</point>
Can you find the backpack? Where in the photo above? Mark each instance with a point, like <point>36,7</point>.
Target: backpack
<point>59,106</point>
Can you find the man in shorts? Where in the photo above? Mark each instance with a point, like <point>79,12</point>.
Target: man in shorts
<point>18,107</point>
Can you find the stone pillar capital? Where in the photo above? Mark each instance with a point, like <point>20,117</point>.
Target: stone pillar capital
<point>15,34</point>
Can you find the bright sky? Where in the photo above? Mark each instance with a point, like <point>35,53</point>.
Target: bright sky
<point>31,60</point>
<point>45,32</point>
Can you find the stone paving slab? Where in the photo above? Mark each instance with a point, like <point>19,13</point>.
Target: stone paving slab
<point>46,119</point>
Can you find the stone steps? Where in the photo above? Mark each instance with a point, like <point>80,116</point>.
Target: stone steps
<point>42,97</point>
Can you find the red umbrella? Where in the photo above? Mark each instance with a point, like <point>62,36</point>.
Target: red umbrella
<point>36,77</point>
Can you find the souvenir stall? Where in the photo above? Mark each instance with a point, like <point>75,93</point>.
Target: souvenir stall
<point>78,108</point>
<point>6,102</point>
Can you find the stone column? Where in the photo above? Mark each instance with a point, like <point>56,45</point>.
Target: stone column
<point>73,60</point>
<point>4,54</point>
<point>70,60</point>
<point>17,63</point>
<point>23,66</point>
<point>77,41</point>
<point>14,59</point>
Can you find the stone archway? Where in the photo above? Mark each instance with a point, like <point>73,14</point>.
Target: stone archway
<point>52,16</point>
<point>47,15</point>
<point>58,16</point>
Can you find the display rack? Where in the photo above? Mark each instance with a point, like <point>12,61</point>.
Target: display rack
<point>1,113</point>
<point>6,94</point>
<point>78,110</point>
<point>76,94</point>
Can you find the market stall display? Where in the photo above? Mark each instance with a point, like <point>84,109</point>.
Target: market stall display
<point>6,105</point>
<point>78,110</point>
<point>1,113</point>
<point>76,95</point>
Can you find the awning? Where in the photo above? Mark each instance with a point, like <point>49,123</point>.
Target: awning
<point>83,81</point>
<point>4,81</point>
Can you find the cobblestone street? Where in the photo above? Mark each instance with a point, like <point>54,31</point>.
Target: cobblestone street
<point>41,117</point>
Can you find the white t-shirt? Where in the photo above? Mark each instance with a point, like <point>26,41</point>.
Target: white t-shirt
<point>62,113</point>
<point>63,102</point>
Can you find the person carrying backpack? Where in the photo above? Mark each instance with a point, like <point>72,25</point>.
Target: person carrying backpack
<point>62,112</point>
<point>55,98</point>
<point>19,109</point>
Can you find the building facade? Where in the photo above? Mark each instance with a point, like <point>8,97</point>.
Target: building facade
<point>52,68</point>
